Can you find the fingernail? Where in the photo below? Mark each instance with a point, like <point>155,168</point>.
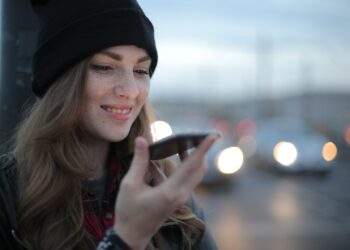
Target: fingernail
<point>216,135</point>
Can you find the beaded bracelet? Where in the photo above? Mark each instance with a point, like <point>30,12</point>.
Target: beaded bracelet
<point>112,241</point>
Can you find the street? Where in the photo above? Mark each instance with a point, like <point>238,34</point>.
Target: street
<point>263,210</point>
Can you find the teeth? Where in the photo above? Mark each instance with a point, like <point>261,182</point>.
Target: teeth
<point>118,111</point>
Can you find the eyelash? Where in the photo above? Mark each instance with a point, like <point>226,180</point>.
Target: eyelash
<point>105,69</point>
<point>142,71</point>
<point>101,68</point>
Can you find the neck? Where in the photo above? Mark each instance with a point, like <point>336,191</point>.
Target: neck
<point>97,153</point>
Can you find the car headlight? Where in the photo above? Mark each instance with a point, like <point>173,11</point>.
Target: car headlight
<point>329,151</point>
<point>285,153</point>
<point>230,160</point>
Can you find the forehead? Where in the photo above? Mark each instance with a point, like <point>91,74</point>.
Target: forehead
<point>122,52</point>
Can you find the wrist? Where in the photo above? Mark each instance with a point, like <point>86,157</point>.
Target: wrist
<point>112,239</point>
<point>131,238</point>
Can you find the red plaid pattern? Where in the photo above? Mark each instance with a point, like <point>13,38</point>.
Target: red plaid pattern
<point>97,223</point>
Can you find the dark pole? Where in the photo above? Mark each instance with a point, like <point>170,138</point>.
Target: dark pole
<point>18,34</point>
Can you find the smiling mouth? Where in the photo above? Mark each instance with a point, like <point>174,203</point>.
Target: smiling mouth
<point>120,111</point>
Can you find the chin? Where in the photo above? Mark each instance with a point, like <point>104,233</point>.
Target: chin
<point>117,137</point>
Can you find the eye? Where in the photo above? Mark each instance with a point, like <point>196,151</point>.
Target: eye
<point>142,71</point>
<point>101,68</point>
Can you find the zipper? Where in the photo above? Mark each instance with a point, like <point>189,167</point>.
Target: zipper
<point>17,238</point>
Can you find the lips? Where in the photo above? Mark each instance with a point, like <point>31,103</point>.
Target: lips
<point>118,112</point>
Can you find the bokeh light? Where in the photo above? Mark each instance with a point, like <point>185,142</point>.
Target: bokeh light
<point>230,160</point>
<point>285,153</point>
<point>347,134</point>
<point>329,151</point>
<point>160,130</point>
<point>248,145</point>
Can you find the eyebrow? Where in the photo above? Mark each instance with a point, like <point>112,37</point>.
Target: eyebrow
<point>118,57</point>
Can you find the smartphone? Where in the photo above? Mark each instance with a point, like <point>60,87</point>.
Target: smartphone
<point>175,144</point>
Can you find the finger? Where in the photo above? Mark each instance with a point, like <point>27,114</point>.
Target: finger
<point>204,147</point>
<point>183,155</point>
<point>140,160</point>
<point>190,173</point>
<point>158,175</point>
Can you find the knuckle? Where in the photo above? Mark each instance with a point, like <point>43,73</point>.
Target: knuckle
<point>139,162</point>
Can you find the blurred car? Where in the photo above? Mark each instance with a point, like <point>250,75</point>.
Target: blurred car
<point>289,145</point>
<point>224,161</point>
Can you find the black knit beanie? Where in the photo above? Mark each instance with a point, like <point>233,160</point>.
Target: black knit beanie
<point>72,30</point>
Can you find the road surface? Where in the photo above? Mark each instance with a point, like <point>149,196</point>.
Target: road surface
<point>262,210</point>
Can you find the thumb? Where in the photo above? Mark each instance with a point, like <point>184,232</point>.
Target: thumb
<point>140,160</point>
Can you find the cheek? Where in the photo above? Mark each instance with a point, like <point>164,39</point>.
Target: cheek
<point>89,117</point>
<point>94,89</point>
<point>144,90</point>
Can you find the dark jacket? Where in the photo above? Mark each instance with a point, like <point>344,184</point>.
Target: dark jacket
<point>9,238</point>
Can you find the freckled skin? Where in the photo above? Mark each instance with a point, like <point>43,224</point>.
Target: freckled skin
<point>115,83</point>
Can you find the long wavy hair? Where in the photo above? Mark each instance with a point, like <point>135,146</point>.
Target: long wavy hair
<point>50,152</point>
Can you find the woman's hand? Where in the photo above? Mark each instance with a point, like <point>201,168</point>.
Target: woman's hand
<point>141,209</point>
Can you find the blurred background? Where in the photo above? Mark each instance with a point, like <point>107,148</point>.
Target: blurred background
<point>273,77</point>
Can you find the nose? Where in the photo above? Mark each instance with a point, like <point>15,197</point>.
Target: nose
<point>127,86</point>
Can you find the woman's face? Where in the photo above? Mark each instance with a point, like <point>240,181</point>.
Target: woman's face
<point>117,85</point>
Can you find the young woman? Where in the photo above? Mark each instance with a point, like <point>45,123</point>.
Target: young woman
<point>66,184</point>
